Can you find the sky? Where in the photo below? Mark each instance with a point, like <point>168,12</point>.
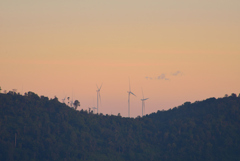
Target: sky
<point>174,51</point>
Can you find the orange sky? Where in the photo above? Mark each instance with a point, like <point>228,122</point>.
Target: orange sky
<point>176,51</point>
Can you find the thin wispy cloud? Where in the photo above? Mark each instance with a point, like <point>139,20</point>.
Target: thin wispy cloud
<point>149,78</point>
<point>160,77</point>
<point>177,73</point>
<point>164,76</point>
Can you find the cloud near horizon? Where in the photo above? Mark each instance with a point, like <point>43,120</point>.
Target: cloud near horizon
<point>160,77</point>
<point>163,76</point>
<point>148,78</point>
<point>177,73</point>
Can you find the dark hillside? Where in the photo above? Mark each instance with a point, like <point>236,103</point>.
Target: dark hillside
<point>206,130</point>
<point>36,128</point>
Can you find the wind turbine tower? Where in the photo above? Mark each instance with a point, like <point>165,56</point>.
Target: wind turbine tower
<point>143,104</point>
<point>98,95</point>
<point>129,93</point>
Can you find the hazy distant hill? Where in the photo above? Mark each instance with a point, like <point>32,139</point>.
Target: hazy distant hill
<point>36,128</point>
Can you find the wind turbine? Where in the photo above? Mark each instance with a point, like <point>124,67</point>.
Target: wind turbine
<point>98,95</point>
<point>129,93</point>
<point>143,103</point>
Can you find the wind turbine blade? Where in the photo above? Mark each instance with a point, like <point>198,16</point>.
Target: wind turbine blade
<point>132,93</point>
<point>97,86</point>
<point>100,87</point>
<point>142,93</point>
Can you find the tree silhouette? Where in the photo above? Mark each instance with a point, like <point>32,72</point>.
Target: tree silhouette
<point>68,99</point>
<point>76,104</point>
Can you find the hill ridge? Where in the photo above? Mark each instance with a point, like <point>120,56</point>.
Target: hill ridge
<point>39,128</point>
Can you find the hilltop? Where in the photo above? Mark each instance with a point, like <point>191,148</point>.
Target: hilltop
<point>35,127</point>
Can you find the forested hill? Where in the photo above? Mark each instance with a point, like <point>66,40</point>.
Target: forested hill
<point>36,128</point>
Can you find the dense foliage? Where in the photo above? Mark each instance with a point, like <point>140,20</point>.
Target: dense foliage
<point>36,128</point>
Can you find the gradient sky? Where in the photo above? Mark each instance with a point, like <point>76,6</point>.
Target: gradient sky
<point>177,51</point>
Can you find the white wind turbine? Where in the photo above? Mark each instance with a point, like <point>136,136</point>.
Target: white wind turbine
<point>143,103</point>
<point>129,93</point>
<point>98,95</point>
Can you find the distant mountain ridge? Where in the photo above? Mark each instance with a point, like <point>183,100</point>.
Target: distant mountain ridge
<point>39,128</point>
